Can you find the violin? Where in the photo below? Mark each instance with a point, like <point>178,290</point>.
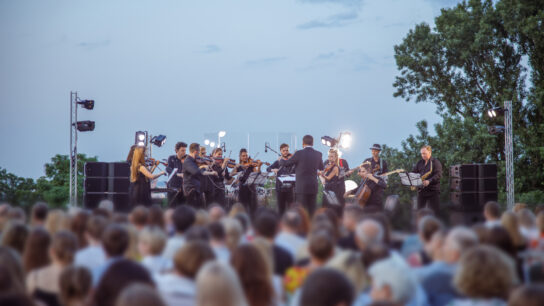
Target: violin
<point>231,162</point>
<point>253,163</point>
<point>155,162</point>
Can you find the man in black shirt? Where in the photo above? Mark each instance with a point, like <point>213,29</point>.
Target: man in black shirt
<point>284,192</point>
<point>376,185</point>
<point>175,161</point>
<point>378,166</point>
<point>192,176</point>
<point>430,170</point>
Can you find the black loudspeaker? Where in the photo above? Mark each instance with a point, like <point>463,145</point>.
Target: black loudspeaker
<point>487,184</point>
<point>106,184</point>
<point>487,171</point>
<point>119,199</point>
<point>465,184</point>
<point>121,169</point>
<point>467,218</point>
<point>471,201</point>
<point>464,171</point>
<point>96,169</point>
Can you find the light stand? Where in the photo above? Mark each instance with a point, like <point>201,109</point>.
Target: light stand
<point>509,148</point>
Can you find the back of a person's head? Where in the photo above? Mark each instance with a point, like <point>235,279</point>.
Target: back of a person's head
<point>510,222</point>
<point>12,278</point>
<point>485,272</point>
<point>16,299</point>
<point>75,284</point>
<point>427,226</point>
<point>17,214</point>
<point>326,286</point>
<point>139,216</point>
<point>351,265</point>
<point>218,285</point>
<point>95,226</point>
<point>527,295</point>
<point>107,214</point>
<point>422,212</point>
<point>266,224</point>
<point>191,256</point>
<point>526,218</point>
<point>115,240</point>
<point>198,232</point>
<point>156,216</point>
<point>36,248</point>
<point>321,245</point>
<point>244,220</point>
<point>308,140</point>
<point>183,218</point>
<point>64,246</point>
<point>106,205</point>
<point>138,294</point>
<point>459,240</point>
<point>233,232</point>
<point>78,224</point>
<point>119,275</point>
<point>499,237</point>
<point>374,252</point>
<point>39,212</point>
<point>201,217</point>
<point>492,209</point>
<point>369,231</point>
<point>56,220</point>
<point>354,211</point>
<point>153,239</point>
<point>540,221</point>
<point>216,212</point>
<point>291,220</point>
<point>394,273</point>
<point>15,235</point>
<point>217,231</point>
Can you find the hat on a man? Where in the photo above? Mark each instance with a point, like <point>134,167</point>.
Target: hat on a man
<point>376,147</point>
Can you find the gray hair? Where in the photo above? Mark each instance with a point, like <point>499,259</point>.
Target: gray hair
<point>396,274</point>
<point>369,231</point>
<point>106,204</point>
<point>462,238</point>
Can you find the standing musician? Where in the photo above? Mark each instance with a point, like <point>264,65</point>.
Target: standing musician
<point>140,176</point>
<point>344,172</point>
<point>375,186</point>
<point>430,170</point>
<point>307,162</point>
<point>192,175</point>
<point>247,194</point>
<point>333,182</point>
<point>378,166</point>
<point>284,192</point>
<point>175,161</point>
<point>205,181</point>
<point>220,165</point>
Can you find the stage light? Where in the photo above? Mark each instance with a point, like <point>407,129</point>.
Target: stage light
<point>328,141</point>
<point>345,140</point>
<point>495,129</point>
<point>85,126</point>
<point>339,153</point>
<point>139,138</point>
<point>495,111</point>
<point>212,144</point>
<point>207,142</point>
<point>158,140</point>
<point>221,134</point>
<point>87,104</point>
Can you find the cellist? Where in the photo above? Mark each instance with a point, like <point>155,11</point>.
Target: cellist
<point>370,193</point>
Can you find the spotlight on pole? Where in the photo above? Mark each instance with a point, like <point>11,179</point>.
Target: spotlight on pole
<point>495,129</point>
<point>207,142</point>
<point>328,141</point>
<point>158,140</point>
<point>140,138</point>
<point>495,111</point>
<point>212,144</point>
<point>345,140</point>
<point>87,104</point>
<point>221,134</point>
<point>85,126</point>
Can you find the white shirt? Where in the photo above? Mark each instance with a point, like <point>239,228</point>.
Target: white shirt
<point>172,246</point>
<point>176,290</point>
<point>90,257</point>
<point>222,253</point>
<point>156,264</point>
<point>290,242</point>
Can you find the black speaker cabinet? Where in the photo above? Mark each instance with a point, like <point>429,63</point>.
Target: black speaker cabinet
<point>487,184</point>
<point>121,169</point>
<point>106,184</point>
<point>464,171</point>
<point>471,201</point>
<point>487,171</point>
<point>96,169</point>
<point>464,184</point>
<point>466,218</point>
<point>91,200</point>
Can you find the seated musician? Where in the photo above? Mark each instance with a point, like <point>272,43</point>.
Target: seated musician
<point>373,193</point>
<point>247,194</point>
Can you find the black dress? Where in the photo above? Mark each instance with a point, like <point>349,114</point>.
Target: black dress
<point>140,191</point>
<point>335,185</point>
<point>247,194</point>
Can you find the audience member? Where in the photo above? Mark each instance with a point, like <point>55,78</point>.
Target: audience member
<point>392,281</point>
<point>151,242</point>
<point>288,238</point>
<point>139,217</point>
<point>325,287</point>
<point>36,250</point>
<point>510,222</point>
<point>233,232</point>
<point>156,217</point>
<point>528,225</point>
<point>352,215</point>
<point>38,214</point>
<point>266,226</point>
<point>75,285</point>
<point>93,255</point>
<point>12,277</point>
<point>368,232</point>
<point>139,295</point>
<point>216,213</point>
<point>350,264</point>
<point>427,227</point>
<point>115,240</point>
<point>14,236</point>
<point>218,285</point>
<point>56,220</point>
<point>218,241</point>
<point>183,218</point>
<point>527,295</point>
<point>492,214</point>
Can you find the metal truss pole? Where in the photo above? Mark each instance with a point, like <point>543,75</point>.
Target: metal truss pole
<point>509,148</point>
<point>73,148</point>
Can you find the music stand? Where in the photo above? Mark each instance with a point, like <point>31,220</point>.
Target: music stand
<point>256,178</point>
<point>410,179</point>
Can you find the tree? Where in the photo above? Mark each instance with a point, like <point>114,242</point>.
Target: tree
<point>17,190</point>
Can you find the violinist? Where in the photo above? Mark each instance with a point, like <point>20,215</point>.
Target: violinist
<point>247,194</point>
<point>285,193</point>
<point>220,165</point>
<point>333,182</point>
<point>192,175</point>
<point>175,161</point>
<point>140,176</point>
<point>376,186</point>
<point>205,181</point>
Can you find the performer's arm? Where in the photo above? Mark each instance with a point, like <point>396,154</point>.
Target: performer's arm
<point>170,166</point>
<point>291,161</point>
<point>437,172</point>
<point>148,174</point>
<point>333,173</point>
<point>275,165</point>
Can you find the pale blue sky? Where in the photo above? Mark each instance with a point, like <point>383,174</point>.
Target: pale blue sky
<point>188,68</point>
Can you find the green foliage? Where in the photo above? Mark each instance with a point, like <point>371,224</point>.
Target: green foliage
<point>14,189</point>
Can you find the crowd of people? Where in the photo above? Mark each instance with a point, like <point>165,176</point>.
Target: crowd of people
<point>206,257</point>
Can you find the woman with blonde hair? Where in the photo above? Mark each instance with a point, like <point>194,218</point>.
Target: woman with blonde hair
<point>332,184</point>
<point>140,176</point>
<point>509,221</point>
<point>218,285</point>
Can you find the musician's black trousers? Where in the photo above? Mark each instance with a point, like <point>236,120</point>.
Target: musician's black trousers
<point>308,201</point>
<point>194,199</point>
<point>176,199</point>
<point>429,199</point>
<point>247,195</point>
<point>285,198</point>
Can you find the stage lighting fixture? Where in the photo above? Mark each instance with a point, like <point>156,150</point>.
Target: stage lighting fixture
<point>495,111</point>
<point>87,104</point>
<point>158,140</point>
<point>495,129</point>
<point>328,141</point>
<point>85,126</point>
<point>345,140</point>
<point>221,134</point>
<point>139,138</point>
<point>207,142</point>
<point>212,144</point>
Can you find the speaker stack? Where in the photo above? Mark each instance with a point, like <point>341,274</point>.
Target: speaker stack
<point>106,181</point>
<point>471,186</point>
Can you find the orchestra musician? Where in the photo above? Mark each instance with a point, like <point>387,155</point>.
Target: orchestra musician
<point>307,161</point>
<point>205,181</point>
<point>375,187</point>
<point>140,176</point>
<point>430,170</point>
<point>284,192</point>
<point>247,194</point>
<point>220,165</point>
<point>175,161</point>
<point>333,182</point>
<point>378,166</point>
<point>192,175</point>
